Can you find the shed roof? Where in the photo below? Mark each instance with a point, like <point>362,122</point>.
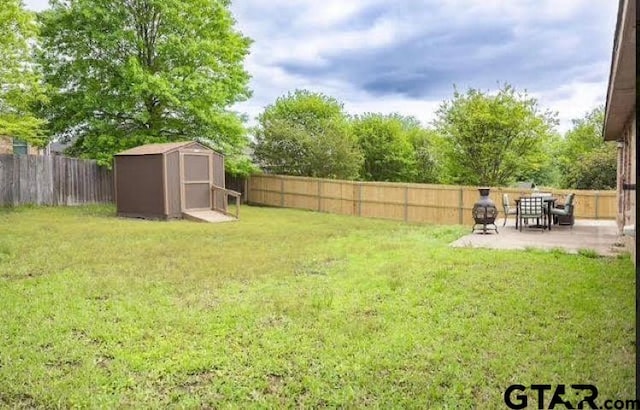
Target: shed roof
<point>150,149</point>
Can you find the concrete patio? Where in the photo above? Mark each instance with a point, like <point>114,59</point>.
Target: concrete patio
<point>600,236</point>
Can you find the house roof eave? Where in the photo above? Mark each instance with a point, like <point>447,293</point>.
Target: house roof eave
<point>621,92</point>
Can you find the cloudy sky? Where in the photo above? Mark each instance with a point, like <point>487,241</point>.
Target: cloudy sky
<point>406,55</point>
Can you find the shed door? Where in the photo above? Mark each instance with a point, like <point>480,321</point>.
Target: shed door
<point>197,177</point>
<point>218,179</point>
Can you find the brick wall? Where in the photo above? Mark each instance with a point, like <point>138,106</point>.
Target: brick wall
<point>6,147</point>
<point>627,175</point>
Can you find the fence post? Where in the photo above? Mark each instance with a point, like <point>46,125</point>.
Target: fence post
<point>597,195</point>
<point>406,203</point>
<point>246,189</point>
<point>319,195</point>
<point>281,192</point>
<point>460,207</point>
<point>359,184</point>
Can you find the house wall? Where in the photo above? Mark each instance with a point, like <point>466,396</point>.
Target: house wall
<point>6,147</point>
<point>627,175</point>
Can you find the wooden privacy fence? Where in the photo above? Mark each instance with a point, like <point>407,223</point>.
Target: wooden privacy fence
<point>238,184</point>
<point>438,204</point>
<point>53,180</point>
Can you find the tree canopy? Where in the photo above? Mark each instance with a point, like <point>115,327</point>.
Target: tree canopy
<point>130,72</point>
<point>585,160</point>
<point>388,153</point>
<point>20,87</point>
<point>396,148</point>
<point>596,169</point>
<point>585,135</point>
<point>424,142</point>
<point>307,134</point>
<point>493,139</point>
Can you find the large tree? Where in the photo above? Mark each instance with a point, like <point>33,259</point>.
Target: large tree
<point>596,169</point>
<point>20,87</point>
<point>585,160</point>
<point>130,72</point>
<point>584,136</point>
<point>492,139</point>
<point>424,141</point>
<point>388,152</point>
<point>395,147</point>
<point>307,134</point>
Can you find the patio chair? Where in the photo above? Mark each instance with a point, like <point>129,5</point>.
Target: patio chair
<point>563,213</point>
<point>529,208</point>
<point>507,208</point>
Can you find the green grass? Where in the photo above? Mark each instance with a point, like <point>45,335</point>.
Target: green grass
<point>288,308</point>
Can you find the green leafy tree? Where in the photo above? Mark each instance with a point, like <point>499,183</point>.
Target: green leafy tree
<point>584,136</point>
<point>20,87</point>
<point>130,72</point>
<point>396,148</point>
<point>307,134</point>
<point>543,170</point>
<point>584,147</point>
<point>595,169</point>
<point>388,152</point>
<point>425,151</point>
<point>493,139</point>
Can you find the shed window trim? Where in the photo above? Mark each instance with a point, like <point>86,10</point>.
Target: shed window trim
<point>206,181</point>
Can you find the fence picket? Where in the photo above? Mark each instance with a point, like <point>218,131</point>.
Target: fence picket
<point>53,180</point>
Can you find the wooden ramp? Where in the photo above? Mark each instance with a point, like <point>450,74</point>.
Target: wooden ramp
<point>207,216</point>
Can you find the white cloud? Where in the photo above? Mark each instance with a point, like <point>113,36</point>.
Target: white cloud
<point>327,13</point>
<point>423,110</point>
<point>317,47</point>
<point>572,101</point>
<point>36,5</point>
<point>516,11</point>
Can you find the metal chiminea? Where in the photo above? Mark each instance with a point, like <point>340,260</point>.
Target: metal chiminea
<point>484,212</point>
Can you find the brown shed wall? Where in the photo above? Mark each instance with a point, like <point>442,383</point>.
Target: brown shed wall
<point>139,186</point>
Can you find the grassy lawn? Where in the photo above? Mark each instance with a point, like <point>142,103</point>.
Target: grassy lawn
<point>296,309</point>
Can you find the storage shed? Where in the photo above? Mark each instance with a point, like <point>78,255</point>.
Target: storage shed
<point>172,180</point>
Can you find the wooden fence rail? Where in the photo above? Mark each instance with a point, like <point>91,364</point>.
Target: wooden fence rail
<point>438,204</point>
<point>53,180</point>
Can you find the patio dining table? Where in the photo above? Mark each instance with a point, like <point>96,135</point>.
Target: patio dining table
<point>549,201</point>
